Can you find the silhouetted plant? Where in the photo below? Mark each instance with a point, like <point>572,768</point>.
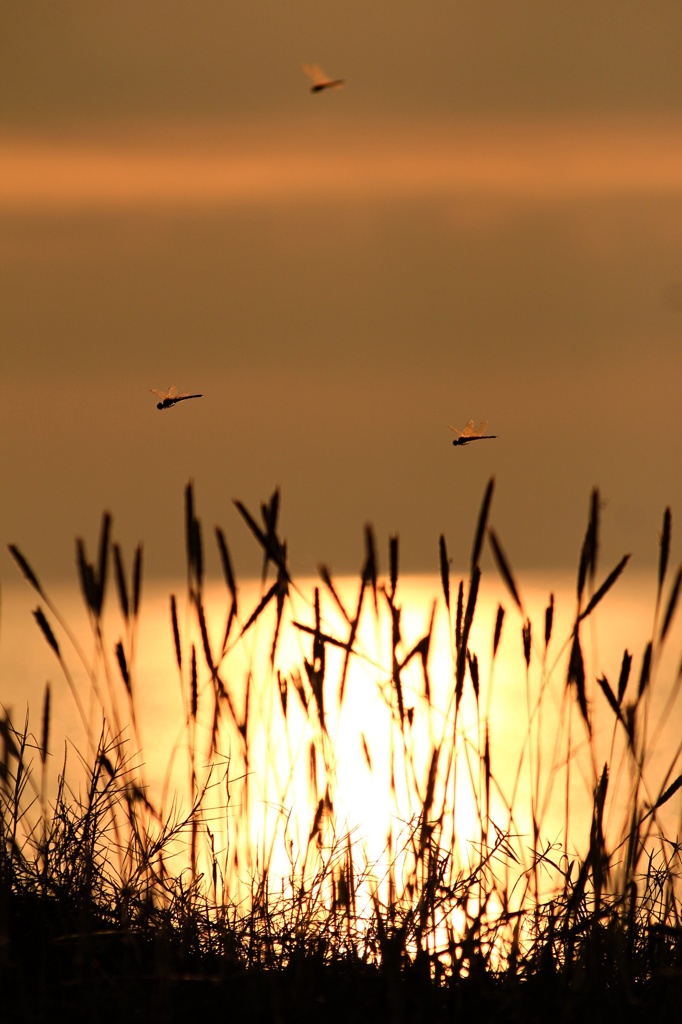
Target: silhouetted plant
<point>170,885</point>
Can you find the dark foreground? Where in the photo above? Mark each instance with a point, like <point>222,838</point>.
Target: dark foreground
<point>52,972</point>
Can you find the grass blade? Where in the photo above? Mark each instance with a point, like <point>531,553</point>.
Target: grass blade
<point>625,667</point>
<point>669,792</point>
<point>45,731</point>
<point>176,632</point>
<point>526,636</point>
<point>26,569</point>
<point>672,604</point>
<point>645,673</point>
<point>203,629</point>
<point>611,698</point>
<point>282,594</point>
<point>252,524</point>
<point>576,675</point>
<point>590,548</point>
<point>664,550</point>
<point>328,582</point>
<point>499,619</point>
<point>46,630</point>
<point>86,575</point>
<point>549,619</point>
<point>226,564</point>
<point>462,650</point>
<point>604,588</point>
<point>326,638</point>
<point>103,561</point>
<point>369,572</point>
<point>351,639</point>
<point>273,550</point>
<point>482,523</point>
<point>123,666</point>
<point>444,570</point>
<point>472,662</point>
<point>195,555</point>
<point>137,580</point>
<point>193,686</point>
<point>505,571</point>
<point>264,601</point>
<point>459,615</point>
<point>270,512</point>
<point>393,563</point>
<point>121,588</point>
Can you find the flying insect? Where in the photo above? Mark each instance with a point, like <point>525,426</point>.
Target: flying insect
<point>320,80</point>
<point>171,397</point>
<point>473,433</point>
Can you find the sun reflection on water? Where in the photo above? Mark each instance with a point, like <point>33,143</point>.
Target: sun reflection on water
<point>306,767</point>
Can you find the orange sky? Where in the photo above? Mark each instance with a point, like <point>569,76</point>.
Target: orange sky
<point>521,160</point>
<point>485,223</point>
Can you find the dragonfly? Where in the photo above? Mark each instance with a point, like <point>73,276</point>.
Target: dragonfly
<point>472,433</point>
<point>171,397</point>
<point>320,80</point>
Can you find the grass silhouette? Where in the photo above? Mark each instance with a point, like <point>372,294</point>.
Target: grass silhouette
<point>256,893</point>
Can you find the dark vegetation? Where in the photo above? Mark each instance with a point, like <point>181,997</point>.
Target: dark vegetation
<point>118,902</point>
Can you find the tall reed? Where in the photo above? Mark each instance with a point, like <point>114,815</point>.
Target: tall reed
<point>259,859</point>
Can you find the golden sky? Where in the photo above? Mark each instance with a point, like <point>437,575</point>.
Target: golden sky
<point>486,222</point>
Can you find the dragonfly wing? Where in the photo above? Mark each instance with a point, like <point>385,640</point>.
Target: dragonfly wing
<point>172,395</point>
<point>314,73</point>
<point>470,430</point>
<point>320,80</point>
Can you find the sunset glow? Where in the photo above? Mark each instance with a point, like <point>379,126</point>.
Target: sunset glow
<point>524,161</point>
<point>340,510</point>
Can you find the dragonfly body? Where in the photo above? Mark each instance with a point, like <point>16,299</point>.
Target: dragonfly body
<point>320,80</point>
<point>171,397</point>
<point>473,433</point>
<point>333,84</point>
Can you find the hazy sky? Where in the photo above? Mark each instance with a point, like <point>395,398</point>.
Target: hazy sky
<point>485,223</point>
